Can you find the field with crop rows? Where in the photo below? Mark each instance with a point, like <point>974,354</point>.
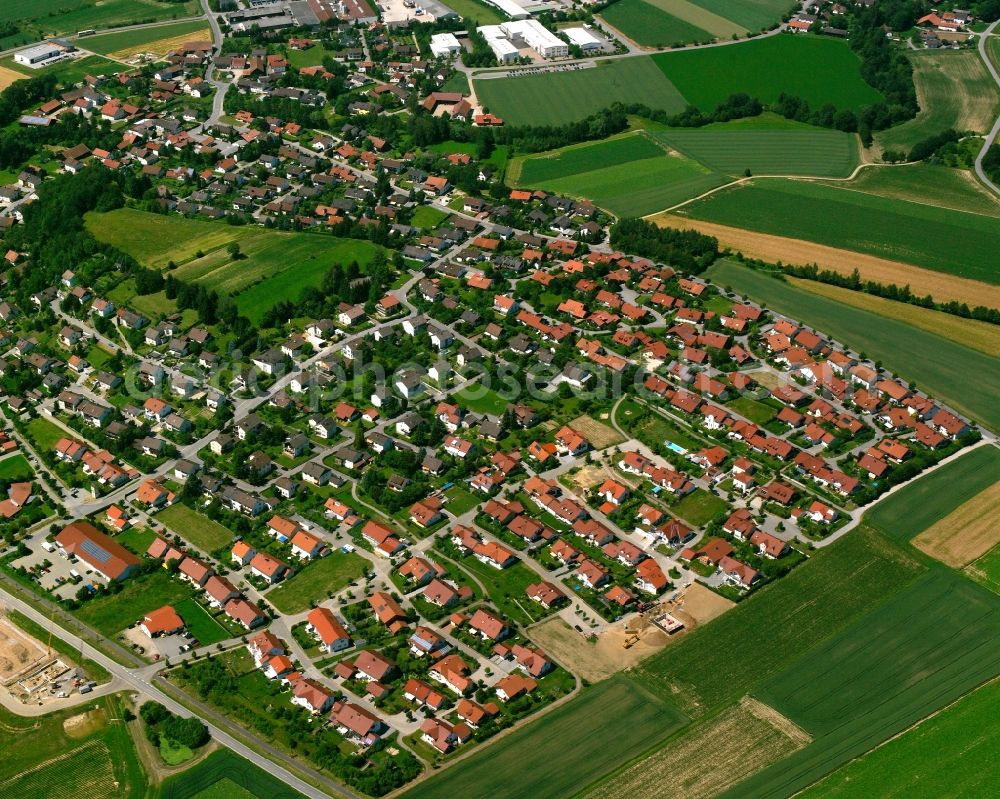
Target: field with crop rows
<point>47,17</point>
<point>649,25</point>
<point>803,151</point>
<point>555,98</point>
<point>923,649</point>
<point>819,70</point>
<point>889,228</point>
<point>562,752</point>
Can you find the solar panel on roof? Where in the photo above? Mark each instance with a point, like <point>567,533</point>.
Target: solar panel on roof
<point>96,552</point>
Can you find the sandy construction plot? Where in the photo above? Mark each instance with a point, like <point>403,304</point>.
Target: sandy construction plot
<point>19,652</point>
<point>770,248</point>
<point>710,758</point>
<point>599,434</point>
<point>8,76</point>
<point>590,476</point>
<point>967,533</point>
<point>596,659</point>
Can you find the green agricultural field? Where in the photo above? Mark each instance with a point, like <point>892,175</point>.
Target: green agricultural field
<point>924,648</point>
<point>316,581</point>
<point>199,623</point>
<point>986,570</point>
<point>637,178</point>
<point>733,149</point>
<point>955,91</point>
<point>534,170</point>
<point>819,70</point>
<point>555,98</point>
<point>139,595</point>
<point>649,25</point>
<point>950,754</point>
<point>225,775</point>
<point>930,498</point>
<point>837,217</point>
<point>274,267</point>
<point>15,469</point>
<point>41,760</point>
<point>950,188</point>
<point>48,17</point>
<point>131,39</point>
<point>195,528</point>
<point>753,15</point>
<point>780,622</point>
<point>938,366</point>
<point>561,753</point>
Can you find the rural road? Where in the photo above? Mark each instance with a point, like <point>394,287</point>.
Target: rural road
<point>140,683</point>
<point>984,39</point>
<point>220,86</point>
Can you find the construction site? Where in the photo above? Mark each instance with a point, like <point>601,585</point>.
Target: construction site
<point>31,672</point>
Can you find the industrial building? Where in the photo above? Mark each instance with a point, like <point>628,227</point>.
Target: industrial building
<point>583,39</point>
<point>507,38</point>
<point>445,45</point>
<point>41,54</point>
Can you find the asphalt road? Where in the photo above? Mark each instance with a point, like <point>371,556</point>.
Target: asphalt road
<point>984,39</point>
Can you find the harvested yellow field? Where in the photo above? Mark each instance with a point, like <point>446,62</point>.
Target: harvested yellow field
<point>980,336</point>
<point>710,757</point>
<point>8,76</point>
<point>162,46</point>
<point>599,434</point>
<point>771,248</point>
<point>967,533</point>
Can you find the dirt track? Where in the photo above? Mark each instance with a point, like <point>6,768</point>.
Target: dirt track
<point>941,286</point>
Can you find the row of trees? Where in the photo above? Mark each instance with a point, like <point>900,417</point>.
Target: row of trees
<point>688,249</point>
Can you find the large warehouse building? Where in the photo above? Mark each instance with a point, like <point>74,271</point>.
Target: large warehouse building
<point>507,38</point>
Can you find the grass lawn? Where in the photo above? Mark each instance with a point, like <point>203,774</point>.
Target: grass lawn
<point>461,501</point>
<point>481,400</point>
<point>938,366</point>
<point>457,82</point>
<point>69,16</point>
<point>605,726</point>
<point>506,589</point>
<point>816,69</point>
<point>136,539</point>
<point>158,40</point>
<point>955,91</point>
<point>225,775</point>
<point>928,499</point>
<point>651,26</point>
<point>924,648</point>
<point>950,754</point>
<point>15,469</point>
<point>481,13</point>
<point>275,267</point>
<point>427,218</point>
<point>316,580</point>
<point>699,507</point>
<point>555,98</point>
<point>840,217</point>
<point>195,528</point>
<point>658,430</point>
<point>757,412</point>
<point>44,434</point>
<point>199,623</point>
<point>174,754</point>
<point>732,149</point>
<point>113,613</point>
